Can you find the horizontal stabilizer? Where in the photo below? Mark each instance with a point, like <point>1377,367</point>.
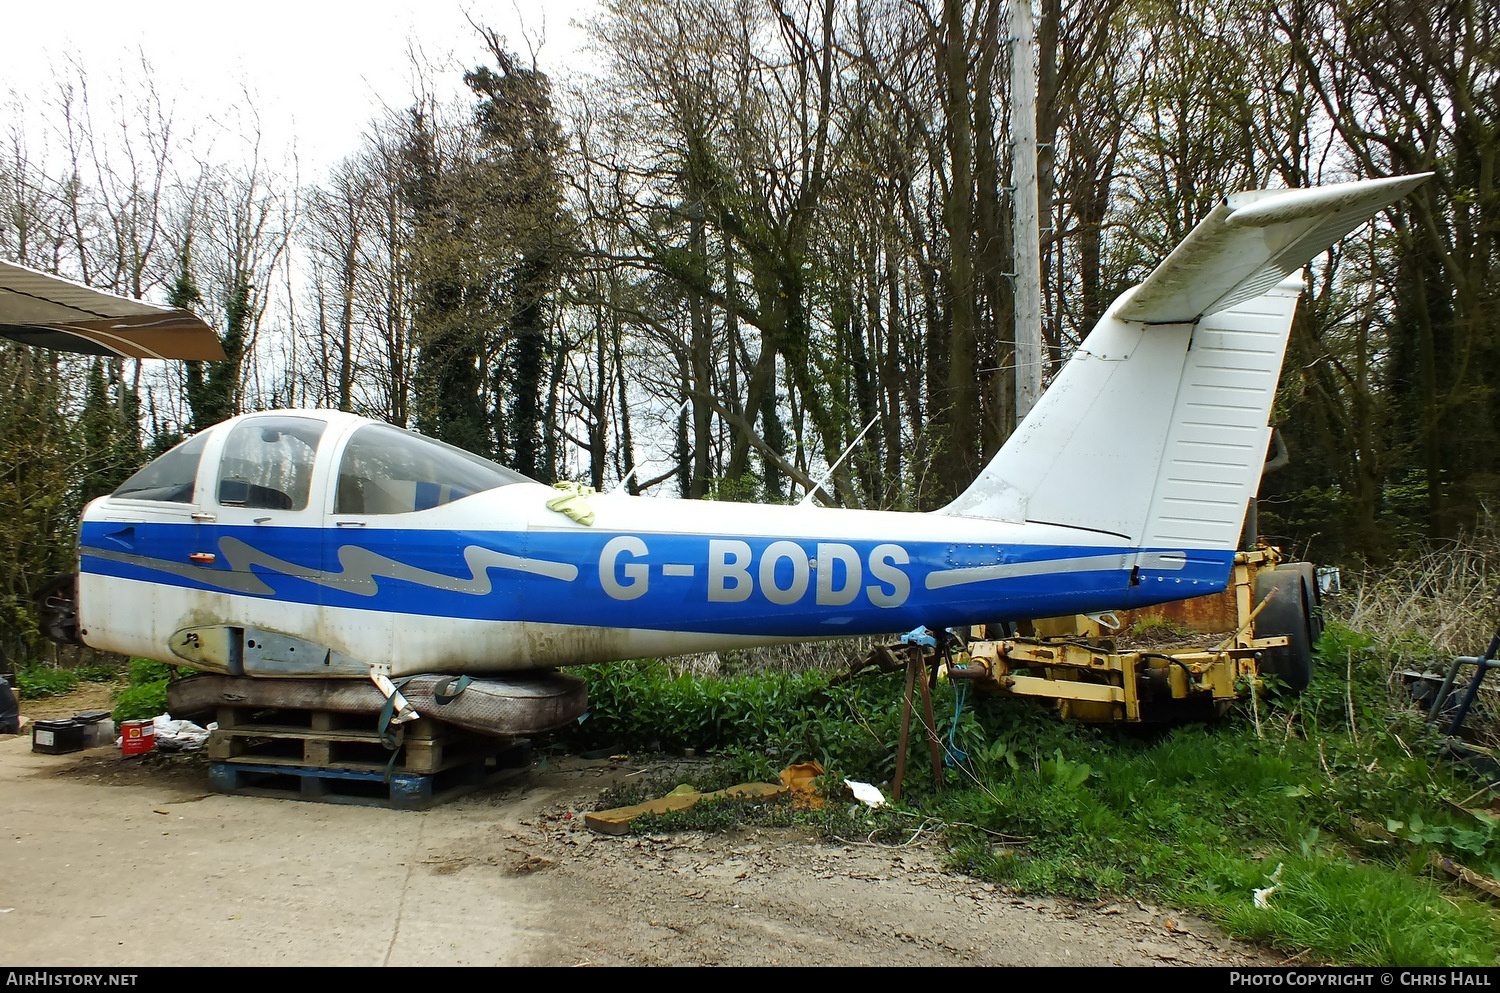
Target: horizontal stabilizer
<point>1155,431</point>
<point>1251,242</point>
<point>47,311</point>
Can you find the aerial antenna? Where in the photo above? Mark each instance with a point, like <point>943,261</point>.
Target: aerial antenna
<point>829,474</point>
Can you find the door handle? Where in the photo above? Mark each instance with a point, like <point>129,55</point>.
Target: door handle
<point>203,517</point>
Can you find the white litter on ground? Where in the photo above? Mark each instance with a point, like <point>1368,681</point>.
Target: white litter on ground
<point>1263,896</point>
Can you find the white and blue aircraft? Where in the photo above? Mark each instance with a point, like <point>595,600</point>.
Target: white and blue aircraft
<point>313,543</point>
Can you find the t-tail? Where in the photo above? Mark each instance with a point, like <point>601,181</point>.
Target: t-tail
<point>1156,429</point>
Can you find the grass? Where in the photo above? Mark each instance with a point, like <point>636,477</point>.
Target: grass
<point>1363,914</point>
<point>1157,628</point>
<point>101,673</point>
<point>1333,801</point>
<point>1438,602</point>
<point>1203,817</point>
<point>39,680</point>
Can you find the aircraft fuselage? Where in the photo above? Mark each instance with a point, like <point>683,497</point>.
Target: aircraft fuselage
<point>496,581</point>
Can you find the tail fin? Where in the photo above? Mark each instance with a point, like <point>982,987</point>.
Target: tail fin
<point>1156,429</point>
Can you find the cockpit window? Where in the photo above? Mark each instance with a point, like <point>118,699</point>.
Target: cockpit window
<point>386,470</point>
<point>170,478</point>
<point>268,463</point>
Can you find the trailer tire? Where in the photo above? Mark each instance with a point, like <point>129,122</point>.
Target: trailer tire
<point>1312,597</point>
<point>1288,613</point>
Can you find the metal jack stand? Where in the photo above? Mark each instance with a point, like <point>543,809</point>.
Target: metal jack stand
<point>917,671</point>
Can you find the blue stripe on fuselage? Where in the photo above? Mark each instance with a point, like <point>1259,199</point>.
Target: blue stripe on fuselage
<point>670,582</point>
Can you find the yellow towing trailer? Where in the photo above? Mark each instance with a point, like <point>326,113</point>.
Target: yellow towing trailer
<point>1268,619</point>
<point>1270,611</point>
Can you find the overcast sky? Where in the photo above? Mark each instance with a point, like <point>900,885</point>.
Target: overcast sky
<point>317,70</point>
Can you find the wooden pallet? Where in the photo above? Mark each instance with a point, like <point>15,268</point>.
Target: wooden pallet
<point>324,739</point>
<point>340,758</point>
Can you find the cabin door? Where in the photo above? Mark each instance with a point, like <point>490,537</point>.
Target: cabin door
<point>267,500</point>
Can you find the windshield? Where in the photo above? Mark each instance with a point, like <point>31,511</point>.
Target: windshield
<point>170,478</point>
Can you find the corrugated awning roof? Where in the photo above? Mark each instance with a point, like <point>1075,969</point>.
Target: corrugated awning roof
<point>37,308</point>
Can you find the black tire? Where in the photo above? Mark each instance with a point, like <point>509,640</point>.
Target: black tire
<point>1286,613</point>
<point>1312,598</point>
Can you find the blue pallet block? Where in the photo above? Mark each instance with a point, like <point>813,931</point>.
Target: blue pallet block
<point>411,791</point>
<point>357,786</point>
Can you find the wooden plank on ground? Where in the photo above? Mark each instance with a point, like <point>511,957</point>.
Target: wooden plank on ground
<point>619,819</point>
<point>1484,884</point>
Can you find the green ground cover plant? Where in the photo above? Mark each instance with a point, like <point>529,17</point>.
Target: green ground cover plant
<point>39,680</point>
<point>1330,804</point>
<point>146,695</point>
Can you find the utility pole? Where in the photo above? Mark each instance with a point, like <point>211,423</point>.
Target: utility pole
<point>1028,236</point>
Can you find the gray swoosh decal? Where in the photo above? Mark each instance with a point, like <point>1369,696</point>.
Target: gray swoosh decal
<point>361,569</point>
<point>361,566</point>
<point>1049,567</point>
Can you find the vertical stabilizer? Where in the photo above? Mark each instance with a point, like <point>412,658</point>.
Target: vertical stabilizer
<point>1156,429</point>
